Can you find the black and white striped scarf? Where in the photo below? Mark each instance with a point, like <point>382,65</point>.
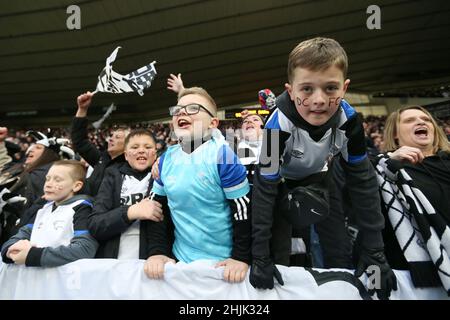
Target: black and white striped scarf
<point>423,235</point>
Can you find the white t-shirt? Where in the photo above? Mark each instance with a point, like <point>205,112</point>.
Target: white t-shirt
<point>133,191</point>
<point>54,228</point>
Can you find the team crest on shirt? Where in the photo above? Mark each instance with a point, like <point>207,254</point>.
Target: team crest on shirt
<point>58,224</point>
<point>204,178</point>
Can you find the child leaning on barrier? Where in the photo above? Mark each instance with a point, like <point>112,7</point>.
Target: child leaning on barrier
<point>122,206</point>
<point>58,233</point>
<point>311,124</point>
<point>206,189</point>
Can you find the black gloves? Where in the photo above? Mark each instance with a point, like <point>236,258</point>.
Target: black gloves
<point>387,281</point>
<point>262,272</point>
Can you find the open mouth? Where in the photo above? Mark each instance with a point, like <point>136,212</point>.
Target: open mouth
<point>141,159</point>
<point>183,123</point>
<point>421,132</point>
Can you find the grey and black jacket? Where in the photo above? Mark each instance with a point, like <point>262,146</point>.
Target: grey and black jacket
<point>293,149</point>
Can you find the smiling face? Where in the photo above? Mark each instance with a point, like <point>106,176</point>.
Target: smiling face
<point>140,152</point>
<point>317,94</point>
<point>252,127</point>
<point>415,129</point>
<point>59,184</point>
<point>35,152</point>
<point>194,126</point>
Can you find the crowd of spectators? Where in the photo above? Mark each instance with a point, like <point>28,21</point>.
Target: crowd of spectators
<point>374,127</point>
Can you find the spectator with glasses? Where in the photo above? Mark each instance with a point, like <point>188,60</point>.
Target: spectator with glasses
<point>205,187</point>
<point>99,160</point>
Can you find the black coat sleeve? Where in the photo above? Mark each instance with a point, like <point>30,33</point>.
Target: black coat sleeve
<point>81,142</point>
<point>242,228</point>
<point>160,235</point>
<point>108,218</point>
<point>362,185</point>
<point>266,181</point>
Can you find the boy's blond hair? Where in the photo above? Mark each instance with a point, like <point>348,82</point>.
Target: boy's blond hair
<point>317,54</point>
<point>390,131</point>
<point>201,92</point>
<point>77,169</point>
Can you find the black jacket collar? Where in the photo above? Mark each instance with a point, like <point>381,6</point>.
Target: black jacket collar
<point>129,171</point>
<point>118,159</point>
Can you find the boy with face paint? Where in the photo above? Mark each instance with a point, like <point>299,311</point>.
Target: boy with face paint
<point>310,124</point>
<point>122,206</point>
<point>58,234</point>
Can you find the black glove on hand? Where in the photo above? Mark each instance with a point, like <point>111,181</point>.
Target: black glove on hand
<point>387,281</point>
<point>262,272</point>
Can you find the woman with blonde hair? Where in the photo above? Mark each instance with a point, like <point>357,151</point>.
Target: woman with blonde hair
<point>414,179</point>
<point>412,133</point>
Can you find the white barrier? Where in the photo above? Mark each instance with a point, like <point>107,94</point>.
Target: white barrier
<point>125,279</point>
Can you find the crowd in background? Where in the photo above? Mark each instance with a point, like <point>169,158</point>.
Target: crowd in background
<point>374,127</point>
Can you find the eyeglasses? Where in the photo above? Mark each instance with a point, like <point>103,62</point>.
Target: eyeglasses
<point>191,109</point>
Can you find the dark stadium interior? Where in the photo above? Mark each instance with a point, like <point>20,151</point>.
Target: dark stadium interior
<point>233,48</point>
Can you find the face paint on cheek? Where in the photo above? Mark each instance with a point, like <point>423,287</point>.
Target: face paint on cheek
<point>301,103</point>
<point>334,101</point>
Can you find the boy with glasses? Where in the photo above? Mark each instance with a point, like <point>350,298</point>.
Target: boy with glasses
<point>206,189</point>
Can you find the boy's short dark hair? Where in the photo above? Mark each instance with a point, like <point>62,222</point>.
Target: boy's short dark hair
<point>139,132</point>
<point>317,54</point>
<point>78,170</point>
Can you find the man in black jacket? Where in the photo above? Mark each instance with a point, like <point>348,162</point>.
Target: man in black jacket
<point>99,160</point>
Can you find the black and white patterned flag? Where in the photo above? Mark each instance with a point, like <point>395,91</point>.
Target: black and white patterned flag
<point>137,81</point>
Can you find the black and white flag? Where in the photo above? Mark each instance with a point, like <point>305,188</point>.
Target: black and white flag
<point>136,81</point>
